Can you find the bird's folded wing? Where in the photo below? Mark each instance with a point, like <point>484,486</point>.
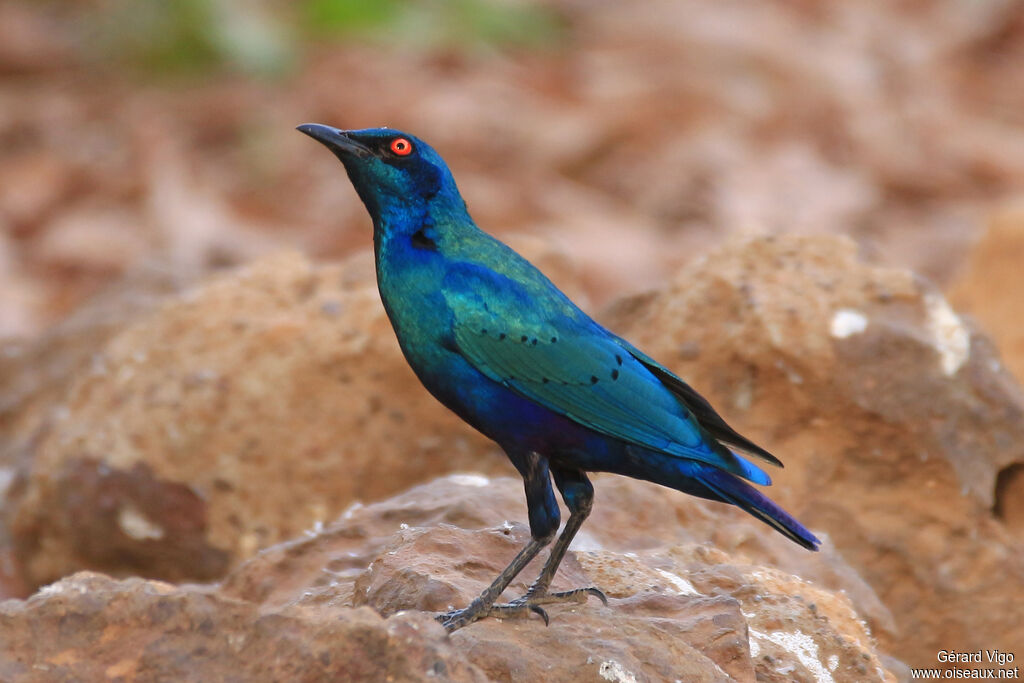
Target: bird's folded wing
<point>575,368</point>
<point>705,414</point>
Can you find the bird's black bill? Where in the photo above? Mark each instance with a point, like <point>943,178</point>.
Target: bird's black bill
<point>334,139</point>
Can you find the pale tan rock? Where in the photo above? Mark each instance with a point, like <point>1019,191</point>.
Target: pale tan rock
<point>355,601</point>
<point>678,611</point>
<point>91,627</point>
<point>988,288</point>
<point>234,416</point>
<point>141,413</point>
<point>989,285</point>
<point>890,413</point>
<point>629,516</point>
<point>893,417</point>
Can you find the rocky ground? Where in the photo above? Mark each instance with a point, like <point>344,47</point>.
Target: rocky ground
<point>215,464</point>
<point>235,432</point>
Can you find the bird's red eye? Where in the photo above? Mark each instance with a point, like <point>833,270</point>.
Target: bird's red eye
<point>401,147</point>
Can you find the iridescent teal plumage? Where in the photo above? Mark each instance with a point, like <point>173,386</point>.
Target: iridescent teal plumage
<point>494,340</point>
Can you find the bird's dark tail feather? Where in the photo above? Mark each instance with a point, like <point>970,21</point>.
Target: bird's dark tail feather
<point>732,490</point>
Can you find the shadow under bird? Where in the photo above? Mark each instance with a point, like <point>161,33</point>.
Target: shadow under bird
<point>497,343</point>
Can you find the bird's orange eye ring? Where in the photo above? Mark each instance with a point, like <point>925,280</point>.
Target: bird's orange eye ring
<point>401,146</point>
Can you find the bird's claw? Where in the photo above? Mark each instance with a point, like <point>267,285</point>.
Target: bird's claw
<point>543,615</point>
<point>518,608</point>
<point>597,593</point>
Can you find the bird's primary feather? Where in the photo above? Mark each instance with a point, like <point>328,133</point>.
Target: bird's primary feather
<point>575,368</point>
<point>705,415</point>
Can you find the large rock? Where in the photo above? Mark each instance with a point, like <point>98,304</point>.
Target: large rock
<point>628,517</point>
<point>988,285</point>
<point>171,437</point>
<point>89,627</point>
<point>988,288</point>
<point>233,416</point>
<point>680,608</point>
<point>267,400</point>
<point>301,610</point>
<point>894,419</point>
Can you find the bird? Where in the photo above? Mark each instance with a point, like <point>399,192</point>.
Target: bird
<point>496,342</point>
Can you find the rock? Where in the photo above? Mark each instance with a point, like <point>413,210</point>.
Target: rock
<point>91,627</point>
<point>35,376</point>
<point>629,516</point>
<point>986,288</point>
<point>137,414</point>
<point>232,417</point>
<point>267,401</point>
<point>894,419</point>
<point>986,285</point>
<point>311,608</point>
<point>674,604</point>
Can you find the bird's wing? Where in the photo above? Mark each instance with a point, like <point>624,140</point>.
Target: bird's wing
<point>536,346</point>
<point>705,414</point>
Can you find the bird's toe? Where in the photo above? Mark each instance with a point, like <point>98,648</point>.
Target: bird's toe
<point>456,619</point>
<point>518,609</point>
<point>577,595</point>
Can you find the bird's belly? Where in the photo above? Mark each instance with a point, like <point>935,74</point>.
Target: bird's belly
<point>513,421</point>
<point>490,407</point>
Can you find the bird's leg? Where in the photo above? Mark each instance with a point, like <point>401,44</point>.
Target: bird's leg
<point>482,606</point>
<point>544,518</point>
<point>578,494</point>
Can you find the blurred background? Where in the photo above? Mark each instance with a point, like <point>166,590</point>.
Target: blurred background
<point>149,140</point>
<point>144,145</point>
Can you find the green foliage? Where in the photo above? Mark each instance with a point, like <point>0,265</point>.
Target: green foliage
<point>349,16</point>
<point>445,23</point>
<point>183,36</point>
<point>264,36</point>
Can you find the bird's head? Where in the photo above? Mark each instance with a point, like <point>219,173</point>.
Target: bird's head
<point>399,177</point>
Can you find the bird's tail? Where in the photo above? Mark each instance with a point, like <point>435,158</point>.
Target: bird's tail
<point>699,479</point>
<point>730,489</point>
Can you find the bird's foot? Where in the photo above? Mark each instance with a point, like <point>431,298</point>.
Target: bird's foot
<point>457,618</point>
<point>518,608</point>
<point>531,603</point>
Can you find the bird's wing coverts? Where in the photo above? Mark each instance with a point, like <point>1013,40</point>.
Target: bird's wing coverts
<point>545,352</point>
